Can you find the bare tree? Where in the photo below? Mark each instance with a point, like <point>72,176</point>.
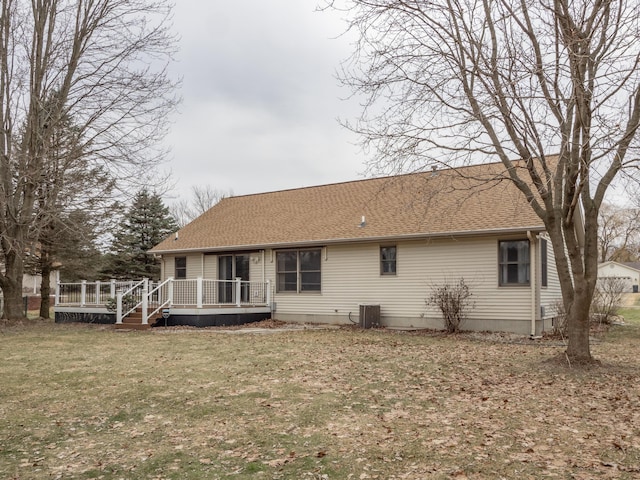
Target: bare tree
<point>619,233</point>
<point>549,89</point>
<point>104,63</point>
<point>202,199</point>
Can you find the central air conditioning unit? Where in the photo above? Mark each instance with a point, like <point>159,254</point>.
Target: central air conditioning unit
<point>369,316</point>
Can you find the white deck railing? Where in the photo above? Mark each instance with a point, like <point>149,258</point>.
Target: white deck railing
<point>152,297</point>
<point>89,293</point>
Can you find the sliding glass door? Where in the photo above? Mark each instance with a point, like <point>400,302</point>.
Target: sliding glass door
<point>231,267</point>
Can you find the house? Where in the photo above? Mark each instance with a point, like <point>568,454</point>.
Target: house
<point>324,252</point>
<point>31,282</point>
<point>628,273</point>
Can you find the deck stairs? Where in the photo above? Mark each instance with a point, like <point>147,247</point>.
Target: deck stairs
<point>133,321</point>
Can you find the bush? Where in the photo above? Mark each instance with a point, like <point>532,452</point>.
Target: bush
<point>453,300</point>
<point>560,319</point>
<point>127,303</point>
<point>607,299</point>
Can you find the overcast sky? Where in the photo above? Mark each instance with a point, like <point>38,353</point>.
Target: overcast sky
<point>260,98</point>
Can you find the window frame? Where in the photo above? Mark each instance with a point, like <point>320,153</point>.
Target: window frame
<point>390,262</point>
<point>502,282</point>
<point>300,272</point>
<point>180,272</point>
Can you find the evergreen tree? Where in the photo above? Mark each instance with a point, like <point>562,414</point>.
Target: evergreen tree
<point>72,203</point>
<point>69,244</point>
<point>146,223</point>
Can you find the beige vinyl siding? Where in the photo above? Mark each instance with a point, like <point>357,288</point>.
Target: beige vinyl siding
<point>551,294</point>
<point>255,267</point>
<point>194,265</point>
<point>351,276</point>
<point>210,267</point>
<point>169,266</point>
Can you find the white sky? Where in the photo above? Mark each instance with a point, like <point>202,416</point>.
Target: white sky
<point>260,98</point>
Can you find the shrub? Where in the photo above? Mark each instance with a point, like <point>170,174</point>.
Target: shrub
<point>127,303</point>
<point>607,299</point>
<point>453,300</point>
<point>560,319</point>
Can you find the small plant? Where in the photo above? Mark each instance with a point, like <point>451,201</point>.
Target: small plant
<point>453,300</point>
<point>127,303</point>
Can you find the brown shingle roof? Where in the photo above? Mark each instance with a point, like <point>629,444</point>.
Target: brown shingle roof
<point>469,200</point>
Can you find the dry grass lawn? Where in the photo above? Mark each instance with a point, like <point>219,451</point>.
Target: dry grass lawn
<point>81,401</point>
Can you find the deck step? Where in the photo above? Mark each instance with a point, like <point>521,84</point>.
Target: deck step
<point>133,321</point>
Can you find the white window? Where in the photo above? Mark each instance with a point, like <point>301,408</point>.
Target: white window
<point>298,270</point>
<point>513,262</point>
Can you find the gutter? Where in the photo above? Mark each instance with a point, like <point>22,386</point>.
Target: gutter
<point>533,281</point>
<point>304,243</point>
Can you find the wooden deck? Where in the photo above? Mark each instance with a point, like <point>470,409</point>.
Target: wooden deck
<point>208,316</point>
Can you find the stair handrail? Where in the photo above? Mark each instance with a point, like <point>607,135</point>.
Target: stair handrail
<point>119,313</point>
<point>166,303</point>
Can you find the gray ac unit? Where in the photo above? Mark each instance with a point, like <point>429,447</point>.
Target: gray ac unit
<point>369,316</point>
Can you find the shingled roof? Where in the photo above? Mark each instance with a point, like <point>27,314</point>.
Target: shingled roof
<point>464,201</point>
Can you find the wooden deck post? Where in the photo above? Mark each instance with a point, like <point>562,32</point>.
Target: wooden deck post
<point>170,292</point>
<point>268,293</point>
<point>119,307</point>
<point>56,300</point>
<point>145,301</point>
<point>83,293</point>
<point>238,291</point>
<point>98,292</point>
<point>199,291</point>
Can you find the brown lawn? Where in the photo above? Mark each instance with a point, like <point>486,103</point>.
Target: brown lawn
<point>81,401</point>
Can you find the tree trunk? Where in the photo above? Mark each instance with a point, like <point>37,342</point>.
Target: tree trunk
<point>578,350</point>
<point>11,284</point>
<point>577,291</point>
<point>13,303</point>
<point>45,286</point>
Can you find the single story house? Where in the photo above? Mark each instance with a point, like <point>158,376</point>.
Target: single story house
<point>628,273</point>
<point>375,247</point>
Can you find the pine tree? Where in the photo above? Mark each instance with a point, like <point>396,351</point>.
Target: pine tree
<point>146,223</point>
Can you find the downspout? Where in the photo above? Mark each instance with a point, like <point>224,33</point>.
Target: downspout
<point>533,280</point>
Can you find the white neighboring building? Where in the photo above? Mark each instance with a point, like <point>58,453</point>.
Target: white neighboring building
<point>628,273</point>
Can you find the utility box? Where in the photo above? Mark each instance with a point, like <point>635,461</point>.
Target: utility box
<point>369,316</point>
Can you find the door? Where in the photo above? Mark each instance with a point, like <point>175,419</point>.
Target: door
<point>241,265</point>
<point>231,267</point>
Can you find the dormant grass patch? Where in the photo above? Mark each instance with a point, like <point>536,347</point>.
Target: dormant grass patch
<point>81,401</point>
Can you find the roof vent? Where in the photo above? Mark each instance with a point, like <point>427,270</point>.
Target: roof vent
<point>363,222</point>
<point>176,237</point>
<point>434,171</point>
